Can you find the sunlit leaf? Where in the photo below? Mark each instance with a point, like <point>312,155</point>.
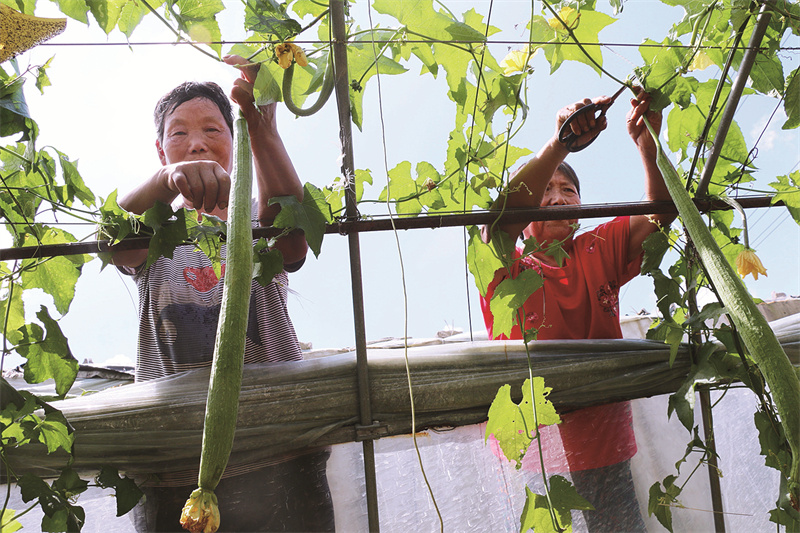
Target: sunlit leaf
<point>767,75</point>
<point>791,101</point>
<point>207,235</point>
<point>12,310</point>
<point>48,354</point>
<point>10,524</point>
<point>587,33</point>
<point>663,65</point>
<point>420,16</point>
<point>55,434</point>
<point>308,7</point>
<point>401,185</point>
<point>536,513</point>
<point>513,424</point>
<point>76,9</point>
<point>311,216</point>
<point>411,195</point>
<point>481,260</point>
<point>266,88</point>
<point>362,66</point>
<point>787,188</point>
<point>56,276</point>
<point>508,298</point>
<point>106,13</point>
<point>132,14</point>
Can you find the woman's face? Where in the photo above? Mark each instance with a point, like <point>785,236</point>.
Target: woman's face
<point>196,131</point>
<point>560,191</point>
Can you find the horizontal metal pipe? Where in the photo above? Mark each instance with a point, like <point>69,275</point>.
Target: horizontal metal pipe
<point>413,222</point>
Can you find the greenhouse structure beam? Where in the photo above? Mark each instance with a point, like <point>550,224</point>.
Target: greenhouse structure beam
<point>338,55</point>
<point>743,74</point>
<point>431,221</point>
<point>750,54</point>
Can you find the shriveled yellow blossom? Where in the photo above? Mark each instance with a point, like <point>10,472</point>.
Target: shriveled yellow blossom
<point>201,512</point>
<point>516,61</point>
<point>568,15</point>
<point>288,51</point>
<point>747,262</point>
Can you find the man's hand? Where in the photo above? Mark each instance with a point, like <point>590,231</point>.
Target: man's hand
<point>204,184</point>
<point>640,108</point>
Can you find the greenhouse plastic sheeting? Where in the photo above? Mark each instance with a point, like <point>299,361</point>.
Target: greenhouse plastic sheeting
<point>156,426</point>
<point>475,490</point>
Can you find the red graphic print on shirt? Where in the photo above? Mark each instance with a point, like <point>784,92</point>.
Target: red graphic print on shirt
<point>202,279</point>
<point>608,297</point>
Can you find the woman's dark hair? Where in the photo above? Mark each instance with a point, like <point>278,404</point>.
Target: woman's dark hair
<point>190,90</point>
<point>565,169</point>
<point>569,172</point>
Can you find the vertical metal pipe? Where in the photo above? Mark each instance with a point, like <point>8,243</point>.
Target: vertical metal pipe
<point>733,99</point>
<point>705,410</point>
<point>713,467</point>
<point>702,189</point>
<point>705,405</point>
<point>342,87</point>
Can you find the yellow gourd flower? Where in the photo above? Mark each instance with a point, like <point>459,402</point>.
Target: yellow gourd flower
<point>201,512</point>
<point>568,15</point>
<point>20,32</point>
<point>701,61</point>
<point>515,61</point>
<point>287,51</point>
<point>747,262</point>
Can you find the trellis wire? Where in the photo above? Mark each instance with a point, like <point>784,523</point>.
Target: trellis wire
<point>412,41</point>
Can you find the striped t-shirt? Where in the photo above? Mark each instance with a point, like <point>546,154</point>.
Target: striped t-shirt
<point>179,305</point>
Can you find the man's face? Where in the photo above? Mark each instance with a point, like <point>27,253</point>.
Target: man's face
<point>560,191</point>
<point>196,131</point>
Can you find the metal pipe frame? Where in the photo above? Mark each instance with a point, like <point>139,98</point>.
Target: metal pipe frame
<point>357,225</point>
<point>342,91</point>
<point>750,53</point>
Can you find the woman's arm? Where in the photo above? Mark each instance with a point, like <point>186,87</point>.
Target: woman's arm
<point>654,187</point>
<point>528,183</point>
<point>275,172</point>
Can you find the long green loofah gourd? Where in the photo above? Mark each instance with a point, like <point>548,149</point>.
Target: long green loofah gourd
<point>201,513</point>
<point>758,337</point>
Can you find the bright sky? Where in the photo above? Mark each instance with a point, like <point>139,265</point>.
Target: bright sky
<point>99,110</point>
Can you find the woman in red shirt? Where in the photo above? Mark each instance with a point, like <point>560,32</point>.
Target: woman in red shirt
<point>579,299</point>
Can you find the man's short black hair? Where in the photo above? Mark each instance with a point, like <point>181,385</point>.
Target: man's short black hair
<point>190,90</point>
<point>569,172</point>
